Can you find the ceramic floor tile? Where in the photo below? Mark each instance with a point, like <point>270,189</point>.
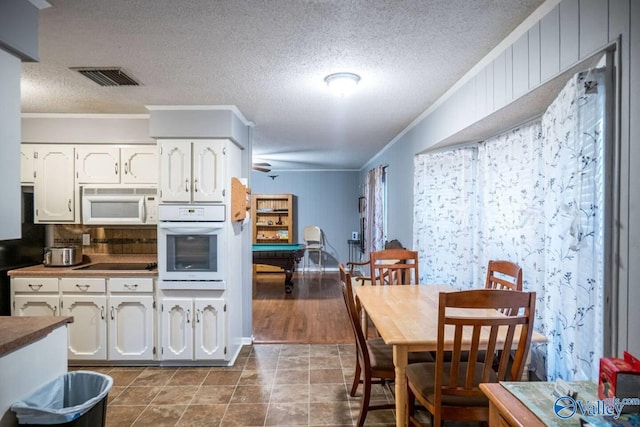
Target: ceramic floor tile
<point>287,414</point>
<point>297,362</point>
<point>328,393</point>
<point>245,415</point>
<point>160,415</point>
<point>175,395</point>
<point>202,415</point>
<point>326,376</point>
<point>256,377</point>
<point>282,393</point>
<point>222,378</point>
<point>323,350</point>
<point>136,396</point>
<point>154,377</point>
<point>292,376</point>
<point>325,362</point>
<point>124,377</point>
<point>212,395</point>
<point>188,377</point>
<point>251,394</point>
<point>118,416</point>
<point>330,414</point>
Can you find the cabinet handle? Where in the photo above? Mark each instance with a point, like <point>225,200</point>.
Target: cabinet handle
<point>55,311</point>
<point>197,316</point>
<point>112,314</point>
<point>131,287</point>
<point>102,312</point>
<point>35,287</point>
<point>126,168</point>
<point>116,168</point>
<point>188,316</point>
<point>195,185</point>
<point>186,185</point>
<point>82,287</point>
<point>69,205</point>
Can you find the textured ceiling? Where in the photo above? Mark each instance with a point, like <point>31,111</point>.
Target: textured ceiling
<point>269,58</point>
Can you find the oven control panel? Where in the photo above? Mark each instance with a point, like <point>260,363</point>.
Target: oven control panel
<point>191,213</point>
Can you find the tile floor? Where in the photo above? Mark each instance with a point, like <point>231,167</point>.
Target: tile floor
<point>269,385</point>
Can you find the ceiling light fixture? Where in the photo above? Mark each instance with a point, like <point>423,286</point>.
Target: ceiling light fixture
<point>342,83</point>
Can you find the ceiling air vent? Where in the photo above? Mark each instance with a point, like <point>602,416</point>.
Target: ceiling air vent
<point>106,76</point>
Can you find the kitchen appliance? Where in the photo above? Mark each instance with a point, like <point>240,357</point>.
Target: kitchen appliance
<point>59,256</point>
<point>191,246</point>
<point>119,206</point>
<point>18,253</point>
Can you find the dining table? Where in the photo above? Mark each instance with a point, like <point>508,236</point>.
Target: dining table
<point>406,317</point>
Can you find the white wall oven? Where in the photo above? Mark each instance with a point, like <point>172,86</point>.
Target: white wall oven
<point>191,247</point>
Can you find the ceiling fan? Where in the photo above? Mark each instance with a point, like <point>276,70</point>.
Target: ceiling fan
<point>261,167</point>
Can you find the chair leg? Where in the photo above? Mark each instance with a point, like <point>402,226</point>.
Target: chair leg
<point>366,397</point>
<point>356,377</point>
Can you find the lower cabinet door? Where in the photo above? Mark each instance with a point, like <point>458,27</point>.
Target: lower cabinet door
<point>209,330</point>
<point>88,332</point>
<point>177,329</point>
<point>36,305</point>
<point>131,328</point>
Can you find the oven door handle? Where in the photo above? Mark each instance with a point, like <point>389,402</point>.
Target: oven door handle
<point>191,230</point>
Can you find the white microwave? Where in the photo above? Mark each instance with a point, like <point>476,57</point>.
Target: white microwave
<point>119,206</point>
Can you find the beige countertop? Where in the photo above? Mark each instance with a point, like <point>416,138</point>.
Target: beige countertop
<point>17,332</point>
<point>75,271</point>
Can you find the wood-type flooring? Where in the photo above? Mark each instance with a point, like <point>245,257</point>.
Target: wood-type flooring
<point>314,313</point>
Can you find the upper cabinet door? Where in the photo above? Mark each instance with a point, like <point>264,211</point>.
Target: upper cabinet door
<point>54,185</point>
<point>208,164</point>
<point>98,164</point>
<point>139,165</point>
<point>175,171</point>
<point>26,164</point>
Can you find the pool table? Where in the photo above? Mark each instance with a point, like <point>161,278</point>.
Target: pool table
<point>283,255</point>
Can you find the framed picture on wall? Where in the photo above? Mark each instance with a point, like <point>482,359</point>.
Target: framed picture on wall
<point>361,204</point>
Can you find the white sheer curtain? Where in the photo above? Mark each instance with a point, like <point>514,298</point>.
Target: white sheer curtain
<point>510,199</point>
<point>444,216</point>
<point>572,309</point>
<point>374,210</point>
<point>533,195</point>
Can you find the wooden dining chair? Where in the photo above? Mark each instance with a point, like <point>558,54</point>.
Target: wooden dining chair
<point>374,358</point>
<point>394,267</point>
<point>504,275</point>
<point>450,390</point>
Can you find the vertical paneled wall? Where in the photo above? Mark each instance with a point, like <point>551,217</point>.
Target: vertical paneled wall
<point>572,31</point>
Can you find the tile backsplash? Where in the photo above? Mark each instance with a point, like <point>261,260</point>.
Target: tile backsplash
<point>108,240</point>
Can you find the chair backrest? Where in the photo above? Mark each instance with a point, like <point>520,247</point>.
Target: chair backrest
<point>354,317</point>
<point>394,267</point>
<point>312,234</point>
<point>504,275</point>
<point>464,374</point>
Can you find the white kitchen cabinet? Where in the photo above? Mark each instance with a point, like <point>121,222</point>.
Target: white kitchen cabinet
<point>55,192</point>
<point>35,296</point>
<point>108,164</point>
<point>97,164</point>
<point>85,299</point>
<point>26,164</point>
<point>131,319</point>
<point>193,329</point>
<point>192,170</point>
<point>139,165</point>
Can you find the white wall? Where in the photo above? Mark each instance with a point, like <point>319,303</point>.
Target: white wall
<point>542,49</point>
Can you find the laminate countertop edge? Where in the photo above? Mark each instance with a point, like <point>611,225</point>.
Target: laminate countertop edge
<point>19,331</point>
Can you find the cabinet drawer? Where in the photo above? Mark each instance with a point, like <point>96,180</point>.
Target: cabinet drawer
<point>35,284</point>
<point>83,285</point>
<point>131,284</point>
